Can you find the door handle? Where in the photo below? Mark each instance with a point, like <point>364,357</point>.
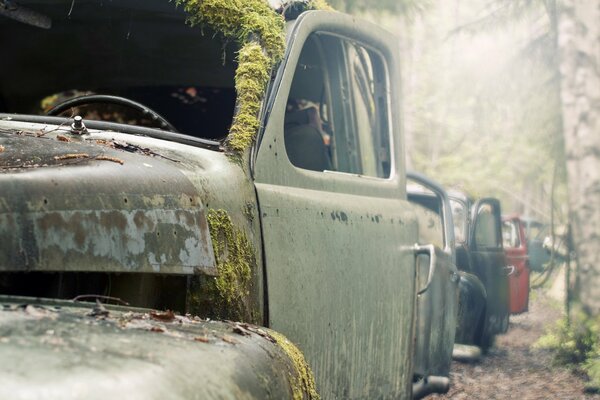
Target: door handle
<point>429,250</point>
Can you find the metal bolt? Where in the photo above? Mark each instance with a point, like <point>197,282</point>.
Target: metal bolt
<point>78,126</point>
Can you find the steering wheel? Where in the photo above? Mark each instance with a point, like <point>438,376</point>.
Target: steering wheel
<point>121,101</point>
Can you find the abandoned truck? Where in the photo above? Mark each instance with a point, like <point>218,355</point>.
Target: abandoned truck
<point>479,252</point>
<point>437,287</point>
<point>247,169</point>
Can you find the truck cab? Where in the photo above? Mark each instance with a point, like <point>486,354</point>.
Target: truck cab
<point>144,162</point>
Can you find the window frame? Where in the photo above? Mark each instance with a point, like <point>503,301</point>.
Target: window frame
<point>338,74</point>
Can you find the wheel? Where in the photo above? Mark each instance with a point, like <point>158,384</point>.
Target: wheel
<point>122,101</point>
<point>483,338</point>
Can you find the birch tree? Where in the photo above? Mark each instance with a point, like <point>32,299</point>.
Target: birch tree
<point>579,49</point>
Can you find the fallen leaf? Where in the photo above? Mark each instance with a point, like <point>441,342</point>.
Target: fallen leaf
<point>162,316</point>
<point>157,329</point>
<point>62,138</point>
<point>229,339</point>
<point>203,339</point>
<point>1,148</point>
<point>240,330</point>
<point>72,156</point>
<point>113,159</point>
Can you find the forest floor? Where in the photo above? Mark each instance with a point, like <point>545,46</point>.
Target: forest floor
<point>513,369</point>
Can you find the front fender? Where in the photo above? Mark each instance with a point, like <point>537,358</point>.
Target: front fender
<point>66,350</point>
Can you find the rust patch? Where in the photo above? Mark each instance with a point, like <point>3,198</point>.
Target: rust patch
<point>113,219</point>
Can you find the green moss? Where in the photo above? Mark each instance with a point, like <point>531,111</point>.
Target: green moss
<point>226,296</point>
<point>260,32</point>
<point>303,381</point>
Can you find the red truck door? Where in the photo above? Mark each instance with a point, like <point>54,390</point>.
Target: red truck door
<point>515,248</point>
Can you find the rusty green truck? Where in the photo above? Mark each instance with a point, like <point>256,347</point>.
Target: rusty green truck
<point>248,168</point>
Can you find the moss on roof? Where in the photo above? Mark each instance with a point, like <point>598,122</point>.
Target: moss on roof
<point>260,32</point>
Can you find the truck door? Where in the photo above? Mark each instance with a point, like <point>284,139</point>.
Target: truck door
<point>338,231</point>
<point>437,281</point>
<point>489,264</point>
<point>515,248</point>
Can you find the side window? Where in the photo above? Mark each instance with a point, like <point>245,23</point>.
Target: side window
<point>337,111</point>
<point>486,233</point>
<point>510,234</point>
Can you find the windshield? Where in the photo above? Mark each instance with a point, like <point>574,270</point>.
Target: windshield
<point>139,50</point>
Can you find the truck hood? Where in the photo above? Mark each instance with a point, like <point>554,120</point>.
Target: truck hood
<point>84,203</point>
<point>66,350</point>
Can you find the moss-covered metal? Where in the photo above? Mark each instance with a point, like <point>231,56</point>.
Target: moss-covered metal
<point>227,295</point>
<point>260,32</point>
<point>303,381</point>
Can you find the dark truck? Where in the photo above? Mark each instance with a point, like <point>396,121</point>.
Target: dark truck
<point>480,254</point>
<point>250,169</point>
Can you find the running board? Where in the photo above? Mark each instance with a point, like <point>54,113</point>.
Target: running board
<point>429,385</point>
<point>466,353</point>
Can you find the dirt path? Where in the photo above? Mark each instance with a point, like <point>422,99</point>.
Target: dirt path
<point>514,370</point>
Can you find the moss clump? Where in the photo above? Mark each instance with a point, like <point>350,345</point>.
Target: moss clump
<point>260,32</point>
<point>251,79</point>
<point>575,344</point>
<point>303,381</point>
<point>226,296</point>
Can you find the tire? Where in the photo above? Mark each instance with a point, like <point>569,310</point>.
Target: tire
<point>483,339</point>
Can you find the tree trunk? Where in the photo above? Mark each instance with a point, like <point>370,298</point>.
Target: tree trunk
<point>579,49</point>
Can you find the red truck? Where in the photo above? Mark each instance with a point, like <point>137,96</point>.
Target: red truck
<point>515,248</point>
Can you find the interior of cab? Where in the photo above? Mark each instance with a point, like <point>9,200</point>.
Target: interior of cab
<point>139,51</point>
<point>337,115</point>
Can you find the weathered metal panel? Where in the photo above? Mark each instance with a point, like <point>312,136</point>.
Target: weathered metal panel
<point>64,350</point>
<point>104,210</point>
<point>437,279</point>
<point>339,249</point>
<point>489,264</point>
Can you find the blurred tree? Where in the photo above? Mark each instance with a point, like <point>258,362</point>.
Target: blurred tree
<point>404,7</point>
<point>579,45</point>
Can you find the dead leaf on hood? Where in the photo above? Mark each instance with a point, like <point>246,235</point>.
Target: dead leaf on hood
<point>72,156</point>
<point>229,339</point>
<point>166,316</point>
<point>62,138</point>
<point>113,159</point>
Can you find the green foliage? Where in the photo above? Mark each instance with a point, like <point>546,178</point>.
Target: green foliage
<point>402,7</point>
<point>319,5</point>
<point>575,343</point>
<point>260,32</point>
